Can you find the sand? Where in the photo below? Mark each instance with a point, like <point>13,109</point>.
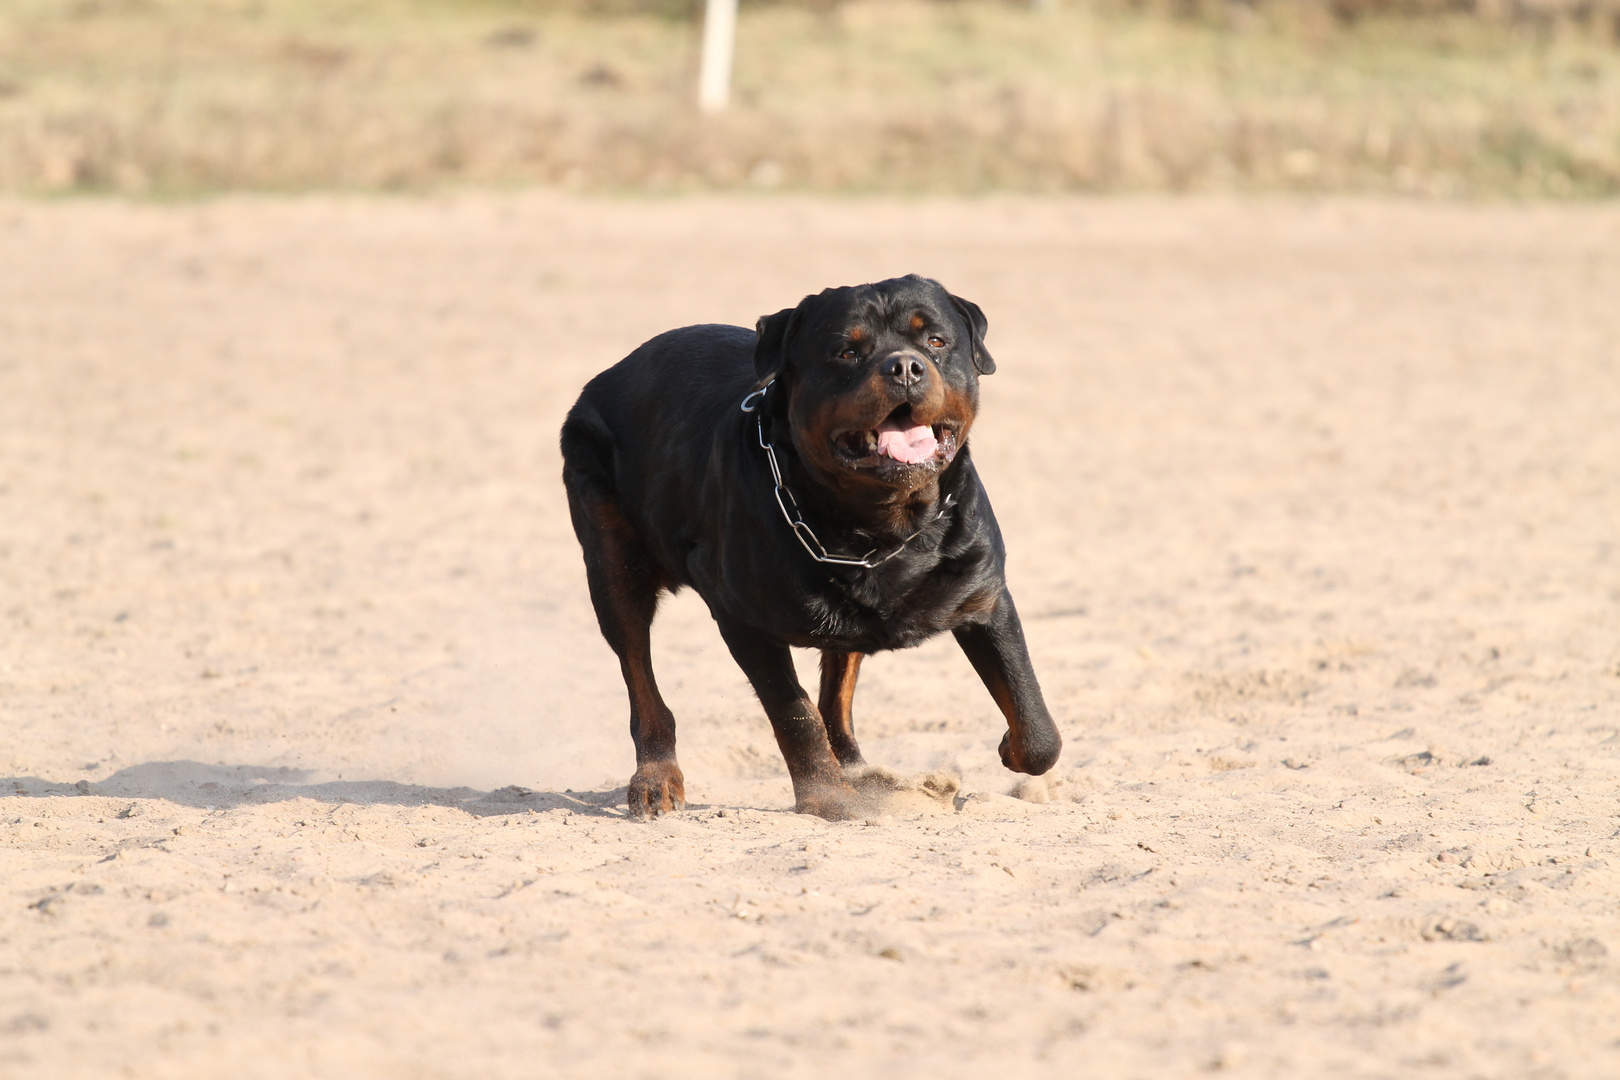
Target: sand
<point>313,758</point>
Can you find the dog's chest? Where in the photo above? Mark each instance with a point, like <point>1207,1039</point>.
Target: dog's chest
<point>871,614</point>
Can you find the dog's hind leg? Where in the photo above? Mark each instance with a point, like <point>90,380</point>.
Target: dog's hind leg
<point>818,781</point>
<point>624,584</point>
<point>839,670</point>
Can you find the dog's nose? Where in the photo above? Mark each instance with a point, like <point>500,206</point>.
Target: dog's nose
<point>905,370</point>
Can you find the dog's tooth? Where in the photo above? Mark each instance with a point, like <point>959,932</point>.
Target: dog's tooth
<point>871,441</point>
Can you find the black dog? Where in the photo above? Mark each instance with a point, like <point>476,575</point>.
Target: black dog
<point>811,480</point>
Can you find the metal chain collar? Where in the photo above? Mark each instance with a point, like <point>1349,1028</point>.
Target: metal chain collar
<point>795,518</point>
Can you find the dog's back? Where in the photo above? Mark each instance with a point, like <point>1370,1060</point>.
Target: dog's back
<point>641,432</point>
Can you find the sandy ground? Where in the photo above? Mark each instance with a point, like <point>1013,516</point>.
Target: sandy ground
<point>313,758</point>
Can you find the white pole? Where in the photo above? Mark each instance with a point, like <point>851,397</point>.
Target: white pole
<point>719,37</point>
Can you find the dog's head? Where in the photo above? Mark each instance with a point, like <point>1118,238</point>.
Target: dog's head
<point>878,383</point>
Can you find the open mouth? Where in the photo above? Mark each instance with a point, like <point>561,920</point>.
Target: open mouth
<point>899,439</point>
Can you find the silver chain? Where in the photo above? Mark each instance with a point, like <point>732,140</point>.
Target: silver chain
<point>795,518</point>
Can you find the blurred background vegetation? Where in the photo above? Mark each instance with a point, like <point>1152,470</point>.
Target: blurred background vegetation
<point>1445,97</point>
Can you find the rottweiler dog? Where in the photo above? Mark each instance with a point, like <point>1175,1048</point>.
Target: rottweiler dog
<point>810,478</point>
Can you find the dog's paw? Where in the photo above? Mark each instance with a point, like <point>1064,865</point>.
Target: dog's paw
<point>1035,754</point>
<point>657,788</point>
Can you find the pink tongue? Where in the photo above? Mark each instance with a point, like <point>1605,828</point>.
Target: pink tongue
<point>910,445</point>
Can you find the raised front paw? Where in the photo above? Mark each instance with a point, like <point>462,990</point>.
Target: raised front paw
<point>657,788</point>
<point>1034,754</point>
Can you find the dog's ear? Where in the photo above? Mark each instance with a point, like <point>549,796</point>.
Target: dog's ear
<point>773,335</point>
<point>983,362</point>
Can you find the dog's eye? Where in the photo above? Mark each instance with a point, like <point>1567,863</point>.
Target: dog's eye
<point>935,341</point>
<point>849,354</point>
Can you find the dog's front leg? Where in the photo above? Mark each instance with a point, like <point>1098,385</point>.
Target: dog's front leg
<point>818,781</point>
<point>997,651</point>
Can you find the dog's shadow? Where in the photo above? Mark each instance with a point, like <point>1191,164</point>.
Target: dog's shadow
<point>218,787</point>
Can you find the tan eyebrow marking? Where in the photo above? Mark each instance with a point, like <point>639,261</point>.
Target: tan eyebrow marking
<point>917,322</point>
<point>857,334</point>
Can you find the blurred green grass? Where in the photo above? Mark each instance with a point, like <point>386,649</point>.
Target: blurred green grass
<point>181,97</point>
